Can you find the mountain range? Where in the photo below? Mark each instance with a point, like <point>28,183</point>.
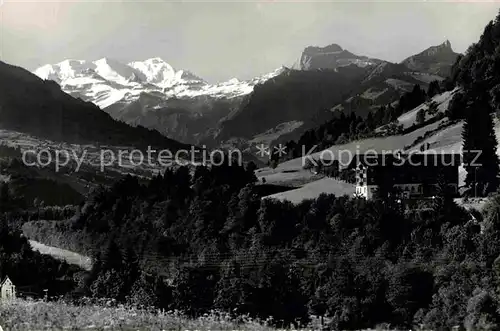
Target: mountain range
<point>284,102</point>
<point>107,81</point>
<point>152,96</point>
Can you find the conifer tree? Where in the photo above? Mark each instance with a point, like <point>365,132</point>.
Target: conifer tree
<point>420,116</point>
<point>112,256</point>
<point>4,197</point>
<point>479,147</point>
<point>433,89</point>
<point>370,124</point>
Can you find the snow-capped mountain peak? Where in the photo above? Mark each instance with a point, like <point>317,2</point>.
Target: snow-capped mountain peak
<point>233,80</point>
<point>156,71</point>
<point>187,76</point>
<point>107,81</point>
<point>270,75</point>
<point>47,72</point>
<point>117,72</point>
<point>62,70</point>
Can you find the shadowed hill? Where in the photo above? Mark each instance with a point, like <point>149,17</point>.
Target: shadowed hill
<point>292,96</point>
<point>31,105</point>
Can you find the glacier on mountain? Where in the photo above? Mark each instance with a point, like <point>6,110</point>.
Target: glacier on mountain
<point>106,81</point>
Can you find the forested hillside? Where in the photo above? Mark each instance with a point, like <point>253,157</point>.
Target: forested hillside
<point>31,272</point>
<point>209,236</point>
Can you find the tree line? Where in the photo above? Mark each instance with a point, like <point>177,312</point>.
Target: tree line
<point>476,72</point>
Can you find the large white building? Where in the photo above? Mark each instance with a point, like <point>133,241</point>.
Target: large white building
<point>410,175</point>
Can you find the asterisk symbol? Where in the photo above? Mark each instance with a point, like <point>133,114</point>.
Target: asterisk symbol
<point>263,150</point>
<point>280,150</point>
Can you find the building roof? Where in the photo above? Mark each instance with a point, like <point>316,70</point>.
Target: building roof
<point>5,280</point>
<point>412,159</point>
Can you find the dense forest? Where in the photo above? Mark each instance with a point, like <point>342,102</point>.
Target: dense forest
<point>31,272</point>
<point>206,240</point>
<point>476,73</point>
<point>27,186</point>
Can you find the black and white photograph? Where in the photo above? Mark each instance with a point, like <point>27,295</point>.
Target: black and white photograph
<point>252,165</point>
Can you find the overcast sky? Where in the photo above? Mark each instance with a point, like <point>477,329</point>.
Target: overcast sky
<point>222,40</point>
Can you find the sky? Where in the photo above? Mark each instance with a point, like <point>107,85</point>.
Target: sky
<point>222,40</point>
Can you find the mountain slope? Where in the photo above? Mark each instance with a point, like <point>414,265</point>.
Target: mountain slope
<point>436,136</point>
<point>435,60</point>
<point>30,105</point>
<point>295,96</point>
<point>329,79</point>
<point>192,120</point>
<point>478,70</point>
<point>475,72</point>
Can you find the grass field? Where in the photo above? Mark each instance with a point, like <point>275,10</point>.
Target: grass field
<point>24,315</point>
<point>44,316</point>
<point>314,189</point>
<point>442,100</point>
<point>293,178</point>
<point>445,140</point>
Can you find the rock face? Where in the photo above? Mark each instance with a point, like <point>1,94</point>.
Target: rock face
<point>436,60</point>
<point>331,57</point>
